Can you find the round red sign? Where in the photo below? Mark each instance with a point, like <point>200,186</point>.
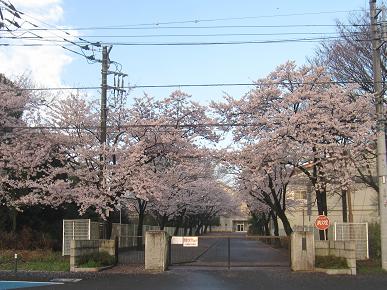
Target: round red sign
<point>322,222</point>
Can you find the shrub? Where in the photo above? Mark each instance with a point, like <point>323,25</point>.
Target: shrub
<point>374,241</point>
<point>25,239</point>
<point>95,260</point>
<point>331,262</point>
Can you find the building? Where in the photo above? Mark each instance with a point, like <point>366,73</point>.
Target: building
<point>237,222</point>
<point>362,203</point>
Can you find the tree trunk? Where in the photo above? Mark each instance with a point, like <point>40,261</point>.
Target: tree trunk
<point>190,231</point>
<point>344,205</point>
<point>179,223</point>
<point>266,224</point>
<point>284,219</point>
<point>205,229</point>
<point>163,221</point>
<point>139,230</point>
<point>176,231</point>
<point>322,210</point>
<point>197,231</point>
<point>279,212</point>
<point>14,219</point>
<point>109,226</point>
<point>141,215</point>
<point>325,206</point>
<point>274,217</point>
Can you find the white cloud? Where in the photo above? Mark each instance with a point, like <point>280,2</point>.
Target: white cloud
<point>34,3</point>
<point>44,63</point>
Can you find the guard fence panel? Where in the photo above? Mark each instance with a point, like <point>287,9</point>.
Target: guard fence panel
<point>80,229</point>
<point>127,233</point>
<point>357,232</point>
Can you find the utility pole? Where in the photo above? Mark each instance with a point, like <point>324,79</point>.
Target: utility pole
<point>103,116</point>
<point>380,130</point>
<point>119,88</point>
<point>104,88</point>
<point>350,213</point>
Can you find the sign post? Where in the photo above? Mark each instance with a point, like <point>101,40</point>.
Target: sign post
<point>322,223</point>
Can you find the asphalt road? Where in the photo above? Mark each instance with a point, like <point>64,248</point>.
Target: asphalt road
<point>254,278</point>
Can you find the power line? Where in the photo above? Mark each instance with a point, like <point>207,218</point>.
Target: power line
<point>181,35</point>
<point>20,15</point>
<point>167,128</point>
<point>174,126</point>
<point>196,21</point>
<point>96,44</point>
<point>202,27</point>
<point>237,18</point>
<point>311,39</point>
<point>132,87</point>
<point>315,39</point>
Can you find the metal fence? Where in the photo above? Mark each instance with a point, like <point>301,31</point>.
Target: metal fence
<point>80,229</point>
<point>131,247</point>
<point>127,233</point>
<point>85,229</point>
<point>357,232</point>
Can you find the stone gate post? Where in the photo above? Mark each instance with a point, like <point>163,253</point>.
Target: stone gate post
<point>302,251</point>
<point>156,250</point>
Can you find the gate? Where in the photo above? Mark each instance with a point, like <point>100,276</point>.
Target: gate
<point>133,252</point>
<point>233,250</point>
<point>131,248</point>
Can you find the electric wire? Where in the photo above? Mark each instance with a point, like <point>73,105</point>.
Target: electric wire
<point>29,30</point>
<point>274,41</point>
<point>236,18</point>
<point>206,27</point>
<point>132,87</point>
<point>184,35</point>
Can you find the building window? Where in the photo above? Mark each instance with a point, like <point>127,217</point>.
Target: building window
<point>298,194</point>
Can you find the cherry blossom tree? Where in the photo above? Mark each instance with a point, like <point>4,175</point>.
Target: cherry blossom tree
<point>167,131</point>
<point>323,128</point>
<point>147,158</point>
<point>349,59</point>
<point>28,158</point>
<point>265,180</point>
<point>209,198</point>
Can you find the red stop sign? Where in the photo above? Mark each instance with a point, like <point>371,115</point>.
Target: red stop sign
<point>322,222</point>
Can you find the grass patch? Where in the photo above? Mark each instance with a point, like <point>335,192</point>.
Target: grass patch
<point>369,266</point>
<point>96,260</point>
<point>34,261</point>
<point>331,262</point>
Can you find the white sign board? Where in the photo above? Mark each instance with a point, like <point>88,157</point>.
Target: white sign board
<point>177,241</point>
<point>190,241</point>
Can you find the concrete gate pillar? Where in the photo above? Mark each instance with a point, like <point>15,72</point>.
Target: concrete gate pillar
<point>156,250</point>
<point>302,251</point>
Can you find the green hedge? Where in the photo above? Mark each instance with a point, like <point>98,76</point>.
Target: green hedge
<point>96,260</point>
<point>374,241</point>
<point>331,262</point>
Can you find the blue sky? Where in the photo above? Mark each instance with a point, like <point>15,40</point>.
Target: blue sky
<point>158,65</point>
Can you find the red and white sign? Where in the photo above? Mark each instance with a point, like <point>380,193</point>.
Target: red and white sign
<point>190,241</point>
<point>322,222</point>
